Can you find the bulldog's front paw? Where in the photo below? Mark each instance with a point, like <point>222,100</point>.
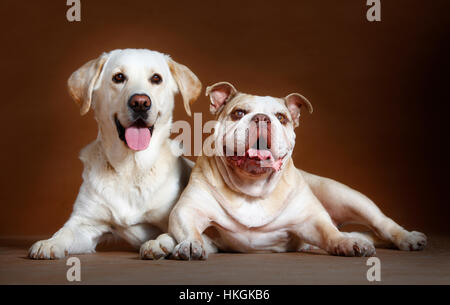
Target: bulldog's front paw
<point>351,246</point>
<point>189,250</point>
<point>47,249</point>
<point>159,248</point>
<point>411,241</point>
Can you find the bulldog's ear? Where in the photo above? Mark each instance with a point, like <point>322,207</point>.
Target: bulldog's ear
<point>188,83</point>
<point>294,102</point>
<point>220,94</point>
<point>83,81</point>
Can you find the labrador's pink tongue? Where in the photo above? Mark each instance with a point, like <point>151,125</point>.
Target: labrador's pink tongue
<point>138,138</point>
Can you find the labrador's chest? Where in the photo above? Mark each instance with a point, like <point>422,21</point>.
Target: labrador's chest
<point>128,203</point>
<point>129,200</point>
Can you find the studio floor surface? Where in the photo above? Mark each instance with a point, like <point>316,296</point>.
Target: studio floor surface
<point>118,264</point>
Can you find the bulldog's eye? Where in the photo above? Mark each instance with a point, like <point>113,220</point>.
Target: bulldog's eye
<point>282,118</point>
<point>156,79</point>
<point>119,78</point>
<point>237,114</point>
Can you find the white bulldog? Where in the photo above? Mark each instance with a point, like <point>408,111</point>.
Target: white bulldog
<point>131,177</point>
<point>247,196</point>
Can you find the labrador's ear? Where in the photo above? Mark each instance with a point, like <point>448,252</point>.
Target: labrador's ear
<point>294,102</point>
<point>83,81</point>
<point>188,83</point>
<point>220,93</point>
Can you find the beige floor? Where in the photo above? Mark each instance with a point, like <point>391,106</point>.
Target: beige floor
<point>117,264</point>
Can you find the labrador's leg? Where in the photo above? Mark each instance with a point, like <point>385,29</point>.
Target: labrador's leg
<point>159,248</point>
<point>78,235</point>
<point>137,234</point>
<point>346,205</point>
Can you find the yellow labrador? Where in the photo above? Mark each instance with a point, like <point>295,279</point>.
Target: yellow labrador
<point>248,196</point>
<point>131,177</point>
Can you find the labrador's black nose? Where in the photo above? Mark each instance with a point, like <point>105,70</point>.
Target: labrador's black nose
<point>139,103</point>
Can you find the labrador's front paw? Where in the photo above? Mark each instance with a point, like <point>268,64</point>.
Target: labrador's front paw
<point>352,246</point>
<point>159,248</point>
<point>411,241</point>
<point>189,250</point>
<point>47,249</point>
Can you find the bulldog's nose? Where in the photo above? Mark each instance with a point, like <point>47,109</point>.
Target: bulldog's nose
<point>139,103</point>
<point>260,117</point>
<point>260,133</point>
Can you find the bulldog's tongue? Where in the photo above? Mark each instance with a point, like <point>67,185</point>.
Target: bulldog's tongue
<point>260,154</point>
<point>266,157</point>
<point>138,138</point>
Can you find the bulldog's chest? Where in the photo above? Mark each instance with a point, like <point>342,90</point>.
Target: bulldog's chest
<point>254,240</point>
<point>249,211</point>
<point>258,225</point>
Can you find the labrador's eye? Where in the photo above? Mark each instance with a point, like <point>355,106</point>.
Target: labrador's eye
<point>237,114</point>
<point>282,118</point>
<point>156,79</point>
<point>119,78</point>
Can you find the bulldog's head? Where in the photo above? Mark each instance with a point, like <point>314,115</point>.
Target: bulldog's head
<point>254,137</point>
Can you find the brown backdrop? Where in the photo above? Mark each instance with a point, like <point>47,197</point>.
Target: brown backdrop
<point>379,91</point>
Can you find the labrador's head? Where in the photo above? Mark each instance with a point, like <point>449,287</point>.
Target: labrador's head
<point>132,94</point>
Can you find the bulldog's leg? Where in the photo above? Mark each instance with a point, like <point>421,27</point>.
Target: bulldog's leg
<point>78,235</point>
<point>317,229</point>
<point>187,222</point>
<point>346,205</point>
<point>187,225</point>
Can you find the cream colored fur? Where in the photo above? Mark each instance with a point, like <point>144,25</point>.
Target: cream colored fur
<point>225,208</point>
<point>124,192</point>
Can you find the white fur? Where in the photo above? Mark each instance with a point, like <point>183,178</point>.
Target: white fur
<point>287,210</point>
<point>124,192</point>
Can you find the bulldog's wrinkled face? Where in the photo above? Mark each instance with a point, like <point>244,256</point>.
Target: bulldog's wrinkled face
<point>255,135</point>
<point>132,94</point>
